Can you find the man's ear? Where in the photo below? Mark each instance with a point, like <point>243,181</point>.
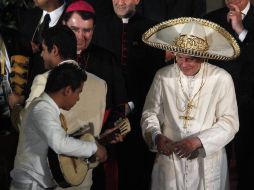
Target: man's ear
<point>55,50</point>
<point>137,2</point>
<point>67,90</point>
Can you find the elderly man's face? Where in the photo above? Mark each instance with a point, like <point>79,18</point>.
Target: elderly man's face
<point>124,8</point>
<point>241,4</point>
<point>188,65</point>
<point>83,30</point>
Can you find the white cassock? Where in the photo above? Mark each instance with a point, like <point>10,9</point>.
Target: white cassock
<point>214,122</point>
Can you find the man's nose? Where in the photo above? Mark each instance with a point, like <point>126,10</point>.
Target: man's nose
<point>121,2</point>
<point>81,34</point>
<point>184,62</point>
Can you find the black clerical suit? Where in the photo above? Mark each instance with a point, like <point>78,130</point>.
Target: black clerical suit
<point>102,63</point>
<point>102,7</point>
<point>242,71</point>
<point>135,160</point>
<point>161,10</point>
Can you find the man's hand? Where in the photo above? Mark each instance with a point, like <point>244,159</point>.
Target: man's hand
<point>163,144</point>
<point>117,138</point>
<point>235,17</point>
<point>169,56</point>
<point>186,147</point>
<point>14,99</point>
<point>35,47</point>
<point>101,153</point>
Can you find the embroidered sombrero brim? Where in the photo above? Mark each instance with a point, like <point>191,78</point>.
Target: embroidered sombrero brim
<point>219,44</point>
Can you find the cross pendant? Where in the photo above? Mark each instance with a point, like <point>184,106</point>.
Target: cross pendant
<point>187,116</point>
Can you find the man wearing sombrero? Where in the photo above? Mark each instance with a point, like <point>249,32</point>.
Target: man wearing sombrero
<point>190,112</point>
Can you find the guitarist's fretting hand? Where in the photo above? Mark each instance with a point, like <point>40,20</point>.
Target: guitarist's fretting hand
<point>117,138</point>
<point>101,153</point>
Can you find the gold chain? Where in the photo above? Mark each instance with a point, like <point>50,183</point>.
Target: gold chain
<point>190,100</point>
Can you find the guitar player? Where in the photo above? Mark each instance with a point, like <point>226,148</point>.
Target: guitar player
<point>42,128</point>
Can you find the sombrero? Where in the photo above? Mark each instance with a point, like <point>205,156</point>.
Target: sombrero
<point>193,36</point>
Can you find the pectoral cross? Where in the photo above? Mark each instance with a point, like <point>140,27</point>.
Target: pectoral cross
<point>187,116</point>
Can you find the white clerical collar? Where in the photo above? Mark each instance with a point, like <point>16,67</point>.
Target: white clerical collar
<point>54,15</point>
<point>125,20</point>
<point>246,9</point>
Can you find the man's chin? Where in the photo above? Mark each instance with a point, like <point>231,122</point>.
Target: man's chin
<point>46,67</point>
<point>66,109</point>
<point>81,48</point>
<point>126,14</point>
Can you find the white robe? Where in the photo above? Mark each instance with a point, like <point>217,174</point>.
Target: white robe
<point>215,124</point>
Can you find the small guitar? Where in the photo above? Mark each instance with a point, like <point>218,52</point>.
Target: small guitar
<point>71,171</point>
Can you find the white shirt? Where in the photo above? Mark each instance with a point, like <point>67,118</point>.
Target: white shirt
<point>41,129</point>
<point>215,122</point>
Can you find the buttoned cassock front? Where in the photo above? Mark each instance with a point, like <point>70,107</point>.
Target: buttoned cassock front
<point>215,124</point>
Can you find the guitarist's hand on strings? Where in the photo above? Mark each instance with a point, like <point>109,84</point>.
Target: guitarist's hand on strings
<point>101,153</point>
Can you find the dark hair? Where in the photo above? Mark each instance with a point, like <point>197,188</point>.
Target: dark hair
<point>64,39</point>
<point>66,74</point>
<point>83,14</point>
